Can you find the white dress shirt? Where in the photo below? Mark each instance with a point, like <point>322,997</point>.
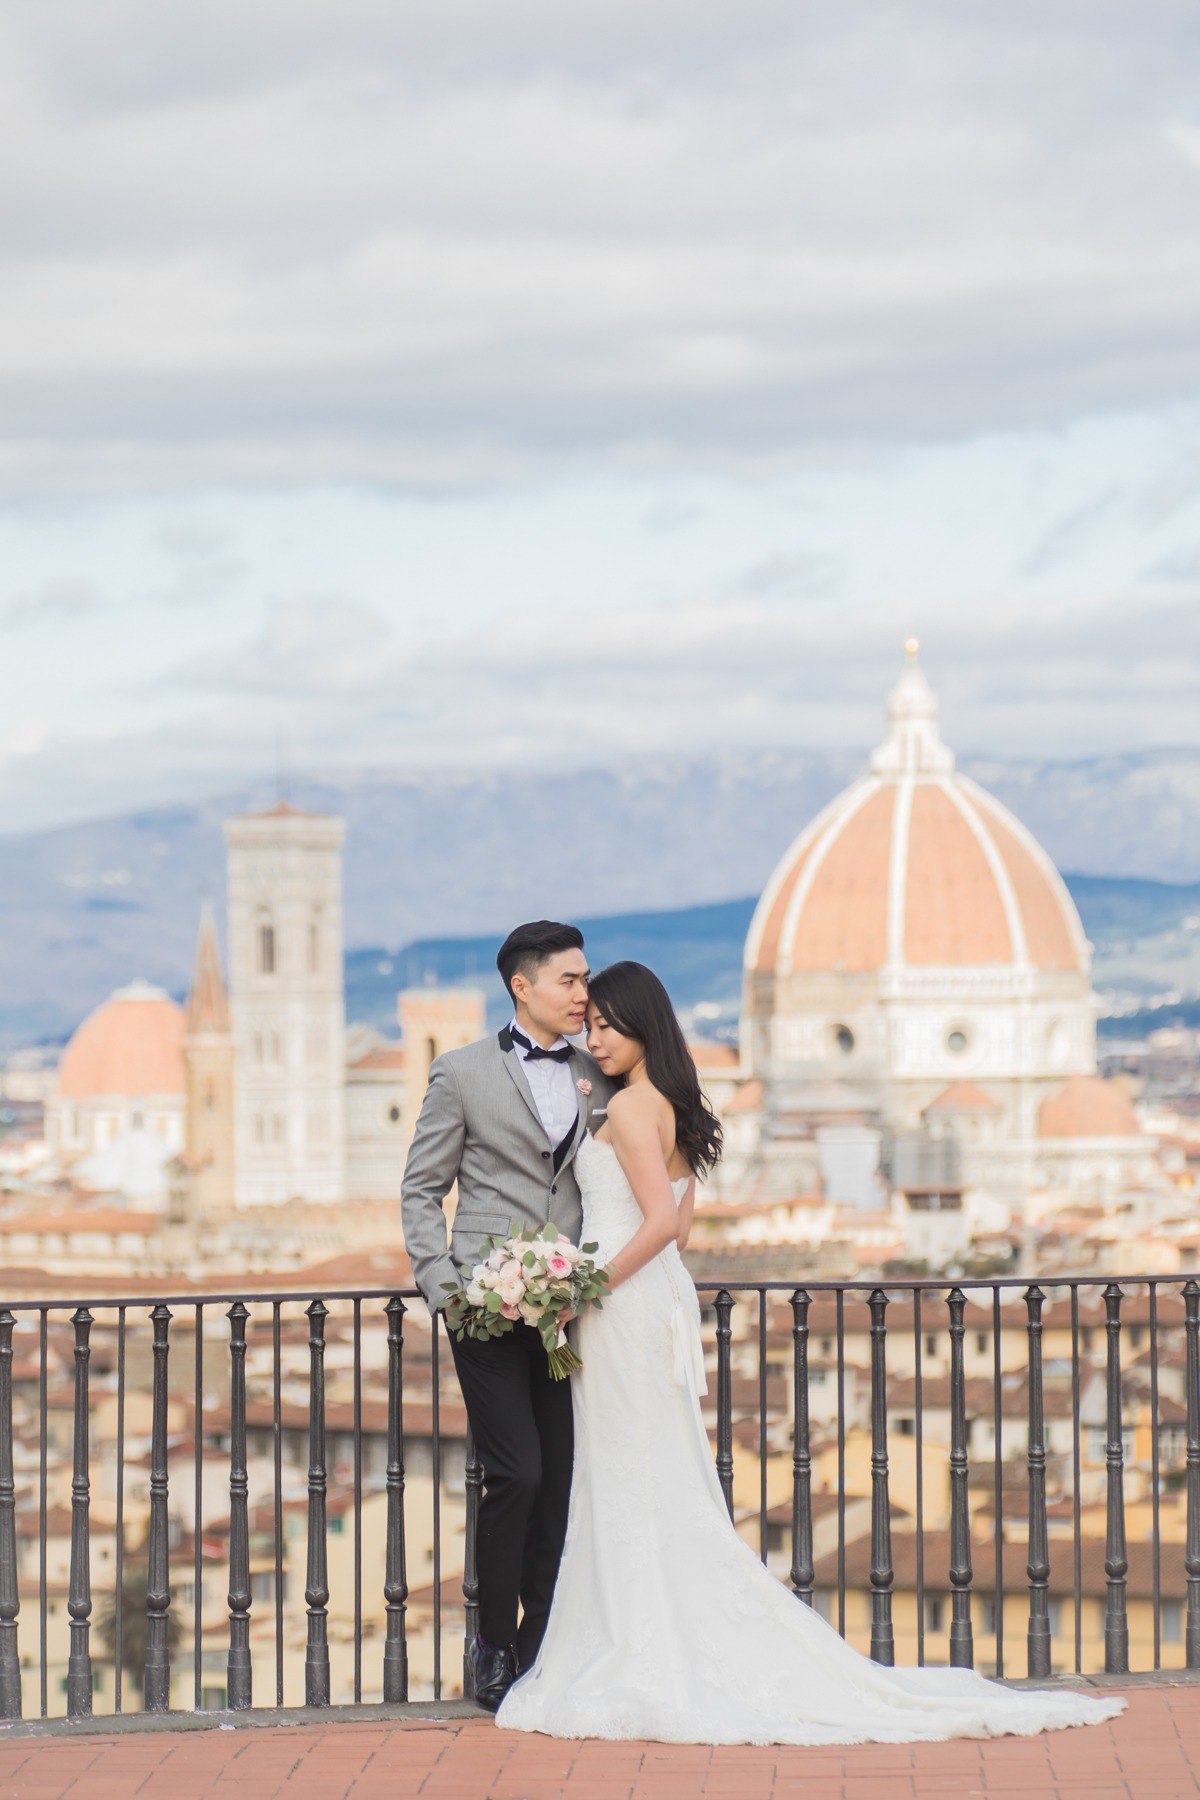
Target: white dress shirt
<point>552,1085</point>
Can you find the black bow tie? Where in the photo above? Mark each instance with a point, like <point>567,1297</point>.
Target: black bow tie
<point>535,1053</point>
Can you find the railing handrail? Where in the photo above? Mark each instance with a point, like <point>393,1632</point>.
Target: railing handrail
<point>703,1284</point>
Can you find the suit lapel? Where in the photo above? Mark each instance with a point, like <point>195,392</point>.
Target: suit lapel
<point>583,1103</point>
<point>516,1073</point>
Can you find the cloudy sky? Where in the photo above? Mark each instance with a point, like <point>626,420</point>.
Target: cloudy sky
<point>475,380</point>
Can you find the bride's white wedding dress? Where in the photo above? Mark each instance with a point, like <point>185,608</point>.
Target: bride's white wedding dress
<point>665,1624</point>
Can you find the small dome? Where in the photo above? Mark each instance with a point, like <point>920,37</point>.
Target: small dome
<point>1087,1106</point>
<point>131,1047</point>
<point>914,866</point>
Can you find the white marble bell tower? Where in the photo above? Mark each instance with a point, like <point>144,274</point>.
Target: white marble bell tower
<point>287,1004</point>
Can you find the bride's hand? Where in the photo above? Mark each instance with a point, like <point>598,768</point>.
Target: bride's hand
<point>565,1317</point>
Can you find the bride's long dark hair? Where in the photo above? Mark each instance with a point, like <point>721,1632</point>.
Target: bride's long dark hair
<point>634,1002</point>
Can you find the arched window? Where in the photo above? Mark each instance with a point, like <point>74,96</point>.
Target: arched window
<point>266,944</point>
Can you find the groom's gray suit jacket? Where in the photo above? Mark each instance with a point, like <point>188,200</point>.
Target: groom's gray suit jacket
<point>479,1125</point>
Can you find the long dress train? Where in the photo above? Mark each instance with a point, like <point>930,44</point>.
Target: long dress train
<point>665,1624</point>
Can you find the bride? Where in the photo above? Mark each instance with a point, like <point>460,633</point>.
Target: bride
<point>664,1623</point>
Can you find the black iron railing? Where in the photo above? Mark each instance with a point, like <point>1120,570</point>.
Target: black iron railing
<point>846,1392</point>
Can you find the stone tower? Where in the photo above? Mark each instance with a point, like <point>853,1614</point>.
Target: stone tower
<point>287,1003</point>
<point>208,1054</point>
<point>433,1020</point>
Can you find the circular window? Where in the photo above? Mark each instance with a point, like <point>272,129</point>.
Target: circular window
<point>843,1038</point>
<point>956,1042</point>
<point>394,1114</point>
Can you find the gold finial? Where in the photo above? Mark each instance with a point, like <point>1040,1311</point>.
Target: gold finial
<point>911,646</point>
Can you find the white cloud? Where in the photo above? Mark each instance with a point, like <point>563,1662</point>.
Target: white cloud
<point>55,603</point>
<point>433,245</point>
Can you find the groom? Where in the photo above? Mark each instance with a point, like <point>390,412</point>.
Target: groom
<point>504,1118</point>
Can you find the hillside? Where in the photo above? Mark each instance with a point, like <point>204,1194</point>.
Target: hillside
<point>438,863</point>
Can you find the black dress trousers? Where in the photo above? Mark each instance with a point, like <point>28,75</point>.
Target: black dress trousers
<point>523,1428</point>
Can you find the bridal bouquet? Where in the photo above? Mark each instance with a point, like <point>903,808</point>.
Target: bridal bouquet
<point>535,1274</point>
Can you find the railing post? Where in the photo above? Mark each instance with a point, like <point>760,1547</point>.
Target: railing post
<point>883,1649</point>
<point>10,1604</point>
<point>316,1590</point>
<point>1038,1566</point>
<point>395,1581</point>
<point>79,1595</point>
<point>962,1642</point>
<point>802,1532</point>
<point>1191,1561</point>
<point>239,1671</point>
<point>1116,1566</point>
<point>724,1308</point>
<point>474,1487</point>
<point>156,1684</point>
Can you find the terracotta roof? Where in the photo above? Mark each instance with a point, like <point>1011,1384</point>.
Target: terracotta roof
<point>385,1056</point>
<point>746,1098</point>
<point>963,1096</point>
<point>714,1056</point>
<point>130,1048</point>
<point>1088,1106</point>
<point>937,1560</point>
<point>71,1224</point>
<point>283,809</point>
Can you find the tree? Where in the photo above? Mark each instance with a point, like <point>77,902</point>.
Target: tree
<point>133,1623</point>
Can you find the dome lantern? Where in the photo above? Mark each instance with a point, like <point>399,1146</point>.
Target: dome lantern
<point>913,745</point>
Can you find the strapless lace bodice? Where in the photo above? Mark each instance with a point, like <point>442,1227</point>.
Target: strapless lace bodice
<point>611,1214</point>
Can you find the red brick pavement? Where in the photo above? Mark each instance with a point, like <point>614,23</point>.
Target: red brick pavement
<point>1151,1753</point>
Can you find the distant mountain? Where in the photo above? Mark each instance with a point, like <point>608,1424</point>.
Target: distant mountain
<point>439,858</point>
<point>695,950</point>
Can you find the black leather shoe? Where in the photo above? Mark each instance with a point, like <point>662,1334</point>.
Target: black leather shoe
<point>492,1673</point>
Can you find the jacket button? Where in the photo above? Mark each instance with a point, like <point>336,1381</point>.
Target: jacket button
<point>554,1189</point>
<point>545,1156</point>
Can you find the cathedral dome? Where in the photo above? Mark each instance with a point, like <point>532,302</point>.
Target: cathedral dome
<point>914,867</point>
<point>131,1047</point>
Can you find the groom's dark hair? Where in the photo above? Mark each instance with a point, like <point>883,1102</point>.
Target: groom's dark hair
<point>525,950</point>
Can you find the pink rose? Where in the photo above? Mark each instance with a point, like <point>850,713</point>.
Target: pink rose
<point>510,1312</point>
<point>557,1265</point>
<point>584,1085</point>
<point>512,1292</point>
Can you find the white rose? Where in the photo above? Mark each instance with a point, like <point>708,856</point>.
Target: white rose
<point>476,1293</point>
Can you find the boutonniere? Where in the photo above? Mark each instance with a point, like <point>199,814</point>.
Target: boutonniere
<point>584,1085</point>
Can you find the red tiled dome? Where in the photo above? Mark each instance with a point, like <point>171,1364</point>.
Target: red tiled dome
<point>131,1047</point>
<point>1088,1106</point>
<point>914,866</point>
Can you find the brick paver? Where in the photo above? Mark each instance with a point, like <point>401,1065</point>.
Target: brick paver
<point>1151,1753</point>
